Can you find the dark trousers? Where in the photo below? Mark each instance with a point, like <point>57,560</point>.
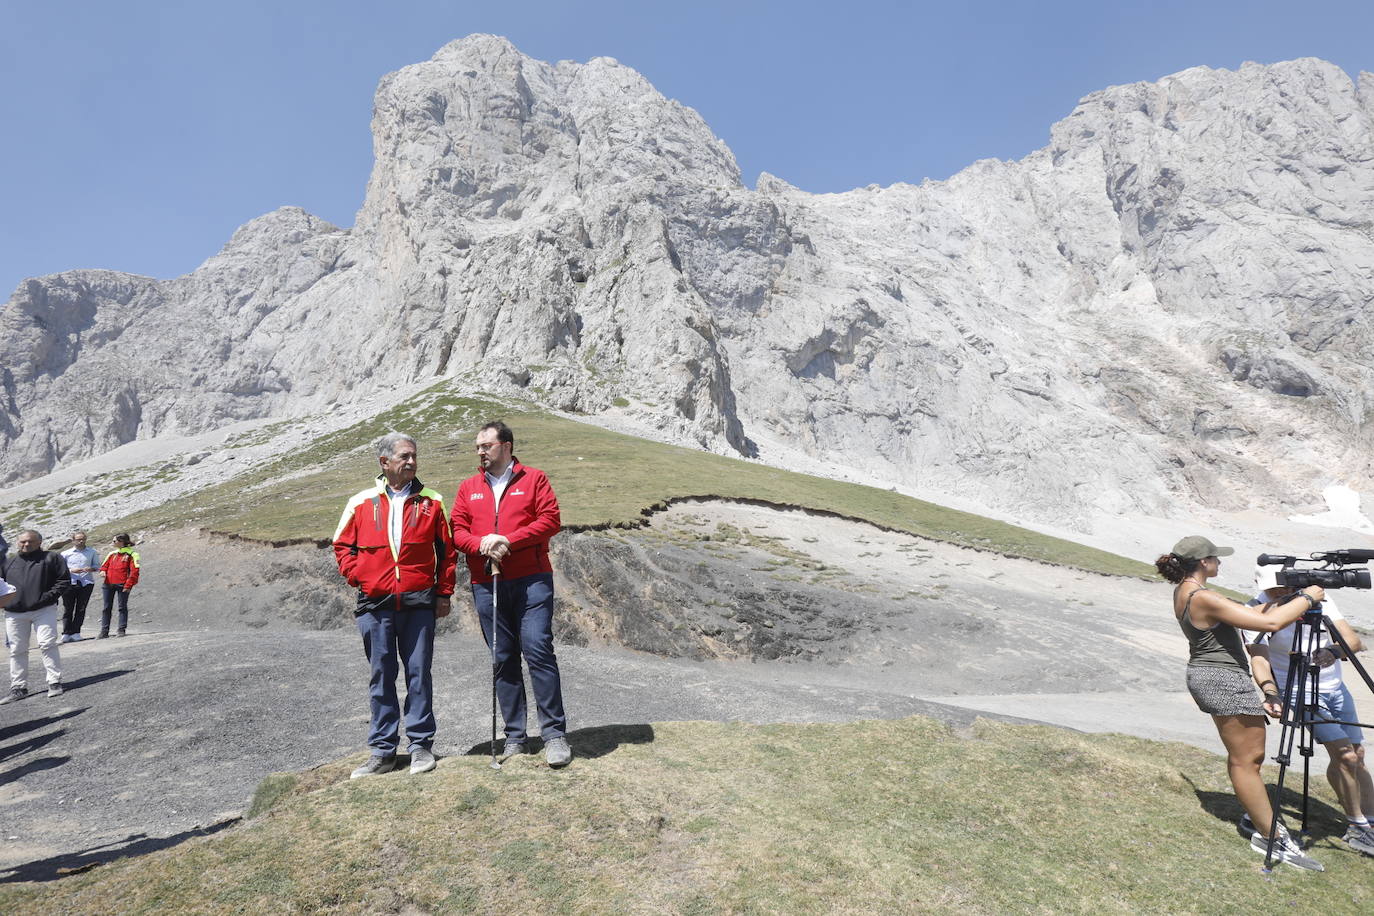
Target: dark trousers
<point>524,626</point>
<point>394,639</point>
<point>74,601</point>
<point>111,592</point>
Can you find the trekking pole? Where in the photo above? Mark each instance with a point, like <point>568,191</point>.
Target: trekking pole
<point>495,570</point>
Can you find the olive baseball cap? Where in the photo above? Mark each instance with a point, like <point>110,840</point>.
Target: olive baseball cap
<point>1197,547</point>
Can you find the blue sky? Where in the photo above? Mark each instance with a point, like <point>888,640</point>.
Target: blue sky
<point>138,135</point>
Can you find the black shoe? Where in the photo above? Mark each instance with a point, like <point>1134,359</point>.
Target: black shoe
<point>120,633</point>
<point>103,635</point>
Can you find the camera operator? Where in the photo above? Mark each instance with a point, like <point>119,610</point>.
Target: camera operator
<point>1219,675</point>
<point>1344,743</point>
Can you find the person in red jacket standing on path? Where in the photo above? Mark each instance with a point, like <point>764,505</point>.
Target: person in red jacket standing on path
<point>120,571</point>
<point>503,517</point>
<point>393,546</point>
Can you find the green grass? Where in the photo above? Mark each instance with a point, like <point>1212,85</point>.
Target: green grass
<point>603,479</point>
<point>735,818</point>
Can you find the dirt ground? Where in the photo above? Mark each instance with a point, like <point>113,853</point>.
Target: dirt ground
<point>242,661</point>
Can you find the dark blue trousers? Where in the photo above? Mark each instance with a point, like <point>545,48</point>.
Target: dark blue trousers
<point>524,626</point>
<point>112,593</point>
<point>394,639</point>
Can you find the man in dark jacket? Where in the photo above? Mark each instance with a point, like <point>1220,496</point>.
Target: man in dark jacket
<point>41,579</point>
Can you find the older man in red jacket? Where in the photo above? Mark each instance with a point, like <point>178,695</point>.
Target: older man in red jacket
<point>393,546</point>
<point>505,515</point>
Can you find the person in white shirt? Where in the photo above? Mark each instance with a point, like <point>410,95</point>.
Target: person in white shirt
<point>1344,742</point>
<point>82,565</point>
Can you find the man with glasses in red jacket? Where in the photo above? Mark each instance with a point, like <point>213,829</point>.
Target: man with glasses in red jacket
<point>503,519</point>
<point>393,546</point>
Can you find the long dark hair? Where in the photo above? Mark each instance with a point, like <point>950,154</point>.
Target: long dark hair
<point>1176,568</point>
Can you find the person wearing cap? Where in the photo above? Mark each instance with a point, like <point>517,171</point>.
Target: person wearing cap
<point>1343,740</point>
<point>1218,675</point>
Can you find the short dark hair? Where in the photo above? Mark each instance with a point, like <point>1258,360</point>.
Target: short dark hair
<point>503,432</point>
<point>124,539</point>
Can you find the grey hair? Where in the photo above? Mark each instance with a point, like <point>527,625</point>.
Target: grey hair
<point>386,445</point>
<point>33,531</point>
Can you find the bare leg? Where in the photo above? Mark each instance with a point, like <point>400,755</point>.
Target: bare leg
<point>1243,737</point>
<point>1342,773</point>
<point>1366,783</point>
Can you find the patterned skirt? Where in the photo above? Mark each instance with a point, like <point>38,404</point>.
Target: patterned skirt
<point>1222,691</point>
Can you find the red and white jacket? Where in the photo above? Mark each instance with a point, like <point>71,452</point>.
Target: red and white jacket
<point>121,568</point>
<point>425,562</point>
<point>527,517</point>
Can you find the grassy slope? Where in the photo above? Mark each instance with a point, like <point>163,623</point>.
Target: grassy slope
<point>733,818</point>
<point>602,478</point>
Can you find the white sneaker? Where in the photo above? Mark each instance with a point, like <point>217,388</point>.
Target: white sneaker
<point>1285,850</point>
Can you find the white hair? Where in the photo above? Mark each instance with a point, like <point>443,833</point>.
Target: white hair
<point>386,445</point>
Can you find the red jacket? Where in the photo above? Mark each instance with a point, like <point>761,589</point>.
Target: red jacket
<point>121,568</point>
<point>363,549</point>
<point>528,518</point>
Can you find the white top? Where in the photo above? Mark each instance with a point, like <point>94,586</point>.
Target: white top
<point>1281,643</point>
<point>396,515</point>
<point>86,559</point>
<point>498,484</point>
<point>5,588</point>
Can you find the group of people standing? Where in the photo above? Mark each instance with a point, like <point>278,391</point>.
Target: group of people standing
<point>1238,673</point>
<point>34,580</point>
<point>398,546</point>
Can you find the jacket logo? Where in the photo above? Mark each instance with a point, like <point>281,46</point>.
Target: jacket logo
<point>475,495</point>
<point>517,492</point>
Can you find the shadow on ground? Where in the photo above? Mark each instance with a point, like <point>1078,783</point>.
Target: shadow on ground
<point>586,743</point>
<point>61,866</point>
<point>1322,819</point>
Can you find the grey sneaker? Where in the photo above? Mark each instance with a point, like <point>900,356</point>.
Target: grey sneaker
<point>15,695</point>
<point>55,689</point>
<point>512,749</point>
<point>1360,839</point>
<point>557,752</point>
<point>1285,850</point>
<point>375,766</point>
<point>421,760</point>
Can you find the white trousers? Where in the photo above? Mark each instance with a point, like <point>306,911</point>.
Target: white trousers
<point>18,625</point>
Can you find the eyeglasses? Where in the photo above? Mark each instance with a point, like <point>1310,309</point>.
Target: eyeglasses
<point>488,446</point>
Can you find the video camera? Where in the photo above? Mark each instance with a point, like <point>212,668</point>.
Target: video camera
<point>1330,575</point>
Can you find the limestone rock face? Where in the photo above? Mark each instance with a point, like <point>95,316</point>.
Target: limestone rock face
<point>1166,303</point>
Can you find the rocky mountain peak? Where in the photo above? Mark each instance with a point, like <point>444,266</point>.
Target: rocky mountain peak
<point>1145,310</point>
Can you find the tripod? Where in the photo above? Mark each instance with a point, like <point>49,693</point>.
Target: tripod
<point>1302,709</point>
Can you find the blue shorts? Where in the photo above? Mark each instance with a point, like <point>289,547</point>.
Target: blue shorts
<point>1336,705</point>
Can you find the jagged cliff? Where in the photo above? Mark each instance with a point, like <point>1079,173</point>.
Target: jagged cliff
<point>1167,302</point>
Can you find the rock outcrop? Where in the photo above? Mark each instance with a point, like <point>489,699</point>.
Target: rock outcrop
<point>1166,302</point>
